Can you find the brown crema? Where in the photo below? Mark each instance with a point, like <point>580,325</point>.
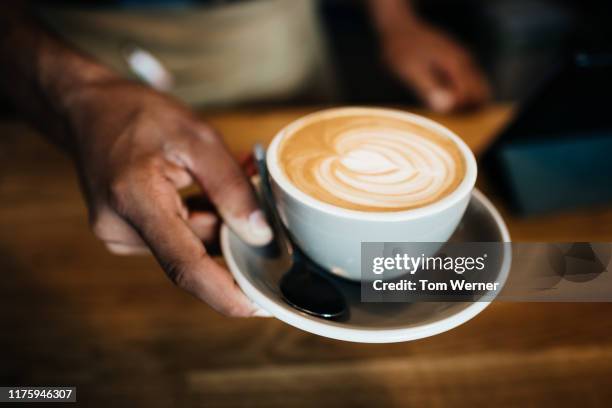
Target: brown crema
<point>371,162</point>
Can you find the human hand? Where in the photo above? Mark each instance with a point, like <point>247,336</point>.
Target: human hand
<point>442,72</point>
<point>134,149</point>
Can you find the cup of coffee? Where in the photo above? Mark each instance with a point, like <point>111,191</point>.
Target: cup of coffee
<point>345,176</point>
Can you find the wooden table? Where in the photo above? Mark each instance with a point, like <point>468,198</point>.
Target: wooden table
<point>72,314</point>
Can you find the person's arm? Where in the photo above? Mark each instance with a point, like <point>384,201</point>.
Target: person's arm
<point>38,73</point>
<point>442,73</point>
<point>133,148</point>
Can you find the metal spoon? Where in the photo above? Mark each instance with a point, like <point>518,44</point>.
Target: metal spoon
<point>304,286</point>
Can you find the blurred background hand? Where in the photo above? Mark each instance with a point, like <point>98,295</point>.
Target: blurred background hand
<point>440,71</point>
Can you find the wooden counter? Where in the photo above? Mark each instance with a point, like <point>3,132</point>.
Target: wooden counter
<point>72,314</point>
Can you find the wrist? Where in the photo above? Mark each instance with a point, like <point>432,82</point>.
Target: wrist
<point>66,85</point>
<point>393,16</point>
<point>401,30</point>
<point>64,79</point>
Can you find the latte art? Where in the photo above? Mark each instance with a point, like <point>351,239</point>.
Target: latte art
<point>384,168</point>
<point>371,163</point>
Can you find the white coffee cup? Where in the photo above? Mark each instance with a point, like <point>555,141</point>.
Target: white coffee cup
<point>332,236</point>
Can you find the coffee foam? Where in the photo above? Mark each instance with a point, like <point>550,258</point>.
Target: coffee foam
<point>371,163</point>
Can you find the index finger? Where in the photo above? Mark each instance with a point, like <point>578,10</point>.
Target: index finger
<point>152,207</point>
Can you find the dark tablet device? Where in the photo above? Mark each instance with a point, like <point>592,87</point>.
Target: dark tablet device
<point>557,152</point>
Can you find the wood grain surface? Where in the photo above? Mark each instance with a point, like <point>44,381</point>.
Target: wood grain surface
<point>72,314</point>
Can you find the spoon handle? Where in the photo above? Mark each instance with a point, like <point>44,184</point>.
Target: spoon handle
<point>266,192</point>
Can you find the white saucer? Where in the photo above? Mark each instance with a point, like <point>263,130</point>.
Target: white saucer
<point>258,274</point>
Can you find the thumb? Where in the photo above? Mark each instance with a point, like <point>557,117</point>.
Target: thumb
<point>431,89</point>
<point>440,100</point>
<point>228,189</point>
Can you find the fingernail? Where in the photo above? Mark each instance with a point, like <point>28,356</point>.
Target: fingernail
<point>441,101</point>
<point>259,230</point>
<point>259,312</point>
